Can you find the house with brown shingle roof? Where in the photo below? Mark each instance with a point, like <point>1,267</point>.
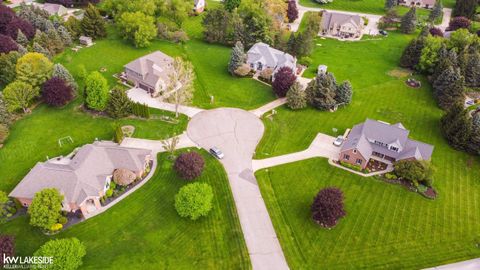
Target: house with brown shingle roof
<point>341,25</point>
<point>150,72</point>
<point>383,142</point>
<point>82,177</point>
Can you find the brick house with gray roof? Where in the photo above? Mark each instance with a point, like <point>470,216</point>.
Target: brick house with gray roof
<point>261,56</point>
<point>341,25</point>
<point>82,177</point>
<point>381,141</point>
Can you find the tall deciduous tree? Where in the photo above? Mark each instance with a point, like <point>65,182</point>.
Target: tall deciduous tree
<point>96,89</point>
<point>283,80</point>
<point>92,23</point>
<point>216,23</point>
<point>137,27</point>
<point>56,92</point>
<point>34,69</point>
<point>409,21</point>
<point>429,56</point>
<point>68,253</point>
<point>45,209</point>
<point>292,11</point>
<point>19,95</point>
<point>296,97</point>
<point>194,200</point>
<point>449,88</point>
<point>181,83</point>
<point>237,57</point>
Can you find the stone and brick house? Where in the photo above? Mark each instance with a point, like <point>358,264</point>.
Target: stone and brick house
<point>341,25</point>
<point>82,177</point>
<point>383,142</point>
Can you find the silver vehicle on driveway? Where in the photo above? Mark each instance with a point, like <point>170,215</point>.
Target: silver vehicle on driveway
<point>216,152</point>
<point>338,141</point>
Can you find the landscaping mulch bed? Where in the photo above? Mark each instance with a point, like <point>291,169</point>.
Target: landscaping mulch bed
<point>376,166</point>
<point>430,193</point>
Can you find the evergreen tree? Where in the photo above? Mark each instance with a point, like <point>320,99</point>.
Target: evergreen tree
<point>446,59</point>
<point>292,44</point>
<point>436,11</point>
<point>304,44</point>
<point>411,55</point>
<point>474,145</point>
<point>6,117</point>
<point>39,49</point>
<point>320,91</point>
<point>92,23</point>
<point>64,36</point>
<point>449,88</point>
<point>465,8</point>
<point>22,50</point>
<point>21,38</point>
<point>7,66</point>
<point>389,4</point>
<point>456,126</point>
<point>119,105</point>
<point>409,21</point>
<point>61,72</point>
<point>296,97</point>
<point>472,70</point>
<point>237,57</point>
<point>231,5</point>
<point>343,93</point>
<point>55,43</point>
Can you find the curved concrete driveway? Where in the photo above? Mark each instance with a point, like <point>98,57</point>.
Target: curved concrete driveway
<point>237,132</point>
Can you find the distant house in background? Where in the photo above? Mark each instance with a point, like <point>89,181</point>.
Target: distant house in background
<point>83,177</point>
<point>86,41</point>
<point>417,3</point>
<point>261,56</point>
<point>341,25</point>
<point>199,6</point>
<point>54,9</point>
<point>150,72</point>
<point>383,142</point>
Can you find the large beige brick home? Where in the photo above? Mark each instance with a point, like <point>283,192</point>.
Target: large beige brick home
<point>82,177</point>
<point>150,72</point>
<point>341,25</point>
<point>383,142</point>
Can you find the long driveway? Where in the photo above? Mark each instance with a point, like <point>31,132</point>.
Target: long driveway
<point>237,132</point>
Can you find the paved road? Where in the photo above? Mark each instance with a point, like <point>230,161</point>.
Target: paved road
<point>465,265</point>
<point>237,132</point>
<point>370,29</point>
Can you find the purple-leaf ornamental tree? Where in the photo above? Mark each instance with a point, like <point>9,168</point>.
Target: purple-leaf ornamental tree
<point>459,22</point>
<point>7,44</point>
<point>7,247</point>
<point>189,165</point>
<point>56,92</point>
<point>436,32</point>
<point>6,16</point>
<point>327,207</point>
<point>19,24</point>
<point>292,11</point>
<point>283,80</point>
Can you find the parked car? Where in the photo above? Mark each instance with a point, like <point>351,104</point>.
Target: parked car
<point>470,102</point>
<point>383,33</point>
<point>216,152</point>
<point>338,141</point>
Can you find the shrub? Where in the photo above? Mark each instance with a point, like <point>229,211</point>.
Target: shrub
<point>96,88</point>
<point>189,165</point>
<point>7,44</point>
<point>391,176</point>
<point>194,200</point>
<point>7,247</point>
<point>4,132</point>
<point>434,31</point>
<point>119,105</point>
<point>109,193</point>
<point>56,92</point>
<point>283,80</point>
<point>413,170</point>
<point>296,97</point>
<point>45,209</point>
<point>327,207</point>
<point>68,253</point>
<point>306,61</point>
<point>351,166</point>
<point>459,22</point>
<point>62,220</point>
<point>56,227</point>
<point>243,70</point>
<point>266,74</point>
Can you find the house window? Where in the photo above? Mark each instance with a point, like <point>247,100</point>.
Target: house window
<point>393,148</point>
<point>359,161</point>
<point>346,157</point>
<point>354,151</point>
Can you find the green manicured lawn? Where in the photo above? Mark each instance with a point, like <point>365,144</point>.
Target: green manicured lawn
<point>209,61</point>
<point>386,227</point>
<point>363,6</point>
<point>144,230</point>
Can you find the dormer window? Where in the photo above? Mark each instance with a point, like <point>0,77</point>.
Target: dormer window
<point>393,148</point>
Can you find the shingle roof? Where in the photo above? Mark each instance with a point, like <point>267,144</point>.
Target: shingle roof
<point>329,19</point>
<point>152,67</point>
<point>53,9</point>
<point>270,56</point>
<point>363,136</point>
<point>82,174</point>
